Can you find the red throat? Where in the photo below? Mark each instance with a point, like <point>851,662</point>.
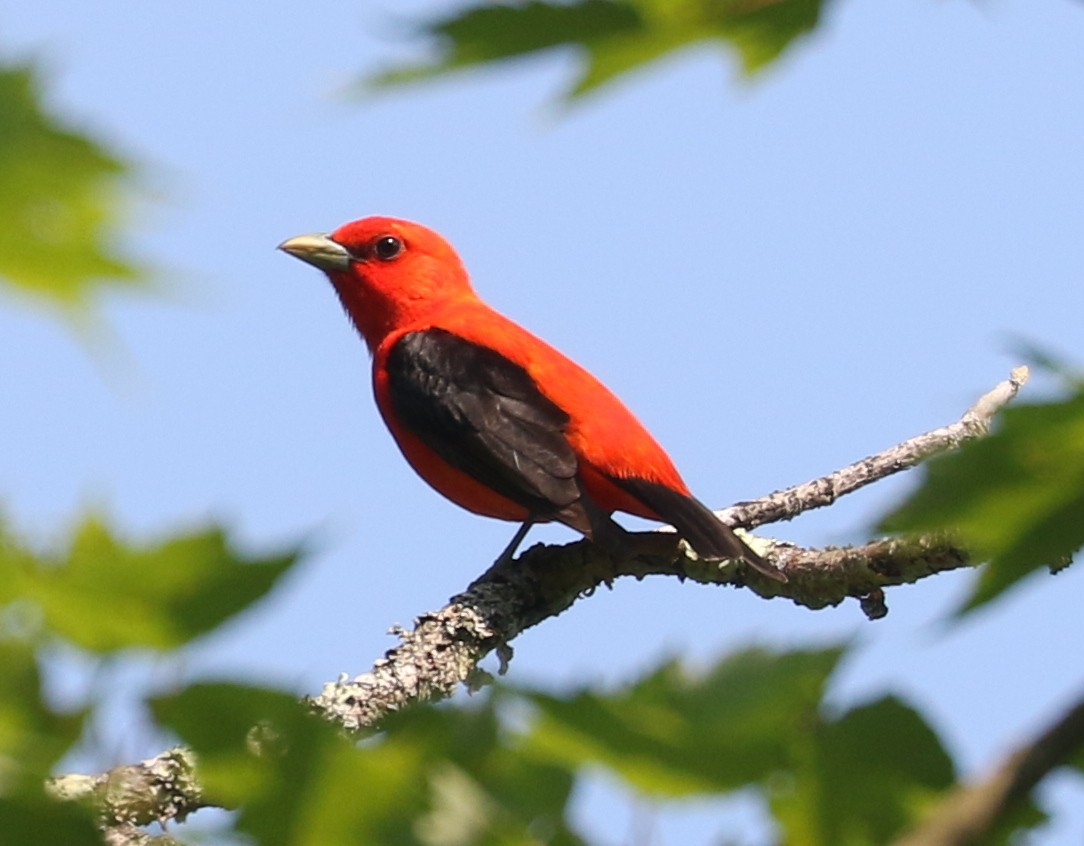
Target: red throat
<point>382,295</point>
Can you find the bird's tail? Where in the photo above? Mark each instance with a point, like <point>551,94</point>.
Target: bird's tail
<point>694,521</point>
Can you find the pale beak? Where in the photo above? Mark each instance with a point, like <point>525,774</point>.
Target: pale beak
<point>319,251</point>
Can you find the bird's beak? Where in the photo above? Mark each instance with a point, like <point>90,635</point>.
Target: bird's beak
<point>319,251</point>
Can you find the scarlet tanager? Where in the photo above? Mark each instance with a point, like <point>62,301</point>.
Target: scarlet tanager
<point>495,419</point>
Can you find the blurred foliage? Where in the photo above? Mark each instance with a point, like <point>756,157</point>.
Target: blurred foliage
<point>105,594</point>
<point>101,595</point>
<point>61,199</point>
<point>39,821</point>
<point>1015,498</point>
<point>33,737</point>
<point>502,768</point>
<point>755,722</point>
<point>612,37</point>
<point>438,776</point>
<point>676,734</point>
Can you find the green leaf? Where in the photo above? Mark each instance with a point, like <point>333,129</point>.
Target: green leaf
<point>482,788</point>
<point>760,30</point>
<point>866,777</point>
<point>61,195</point>
<point>1016,498</point>
<point>610,58</point>
<point>613,37</point>
<point>1023,817</point>
<point>41,820</point>
<point>492,32</point>
<point>677,734</point>
<point>295,778</point>
<point>33,737</point>
<point>105,594</point>
<point>436,775</point>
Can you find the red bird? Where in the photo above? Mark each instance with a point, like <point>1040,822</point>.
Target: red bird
<point>492,417</point>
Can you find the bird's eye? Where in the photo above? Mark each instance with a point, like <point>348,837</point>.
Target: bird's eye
<point>387,247</point>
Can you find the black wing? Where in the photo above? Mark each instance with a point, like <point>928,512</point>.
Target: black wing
<point>484,415</point>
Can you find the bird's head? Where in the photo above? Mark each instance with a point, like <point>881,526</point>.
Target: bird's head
<point>388,273</point>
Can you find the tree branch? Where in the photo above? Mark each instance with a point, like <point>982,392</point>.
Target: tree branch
<point>788,504</point>
<point>444,647</point>
<point>133,795</point>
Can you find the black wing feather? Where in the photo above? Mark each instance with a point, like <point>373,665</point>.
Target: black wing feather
<point>484,415</point>
<point>694,521</point>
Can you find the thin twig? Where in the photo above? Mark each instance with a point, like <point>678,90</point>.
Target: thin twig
<point>789,503</point>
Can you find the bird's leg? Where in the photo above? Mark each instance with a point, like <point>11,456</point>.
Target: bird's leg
<point>622,545</point>
<point>513,545</point>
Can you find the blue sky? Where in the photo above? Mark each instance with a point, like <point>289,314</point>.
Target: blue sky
<point>779,276</point>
